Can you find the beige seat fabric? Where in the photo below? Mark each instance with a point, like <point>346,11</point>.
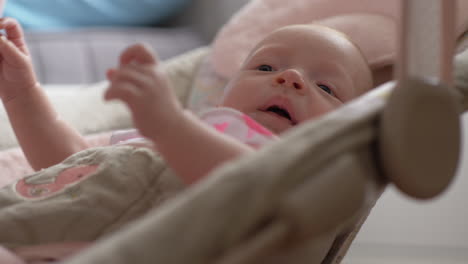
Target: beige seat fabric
<point>264,207</point>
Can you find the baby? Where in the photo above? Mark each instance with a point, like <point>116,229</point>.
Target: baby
<point>295,74</point>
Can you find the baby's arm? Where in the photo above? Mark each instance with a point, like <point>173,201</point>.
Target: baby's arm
<point>190,147</point>
<point>44,138</point>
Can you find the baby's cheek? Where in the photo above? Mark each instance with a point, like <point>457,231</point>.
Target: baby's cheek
<point>331,103</point>
<point>322,107</point>
<point>236,95</point>
<point>232,103</point>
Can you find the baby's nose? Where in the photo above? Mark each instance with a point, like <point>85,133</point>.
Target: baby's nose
<point>291,78</point>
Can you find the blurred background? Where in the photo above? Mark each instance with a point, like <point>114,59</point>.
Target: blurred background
<point>76,41</point>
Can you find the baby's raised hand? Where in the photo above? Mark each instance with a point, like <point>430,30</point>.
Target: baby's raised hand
<point>16,70</point>
<point>140,83</point>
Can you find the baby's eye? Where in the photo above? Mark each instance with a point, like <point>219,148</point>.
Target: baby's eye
<point>265,67</point>
<point>325,88</point>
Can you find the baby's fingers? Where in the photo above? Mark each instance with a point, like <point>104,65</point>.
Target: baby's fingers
<point>14,33</point>
<point>110,74</point>
<point>10,53</point>
<point>124,91</point>
<point>138,75</point>
<point>139,53</point>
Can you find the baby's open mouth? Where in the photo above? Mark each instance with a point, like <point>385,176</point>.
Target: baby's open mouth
<point>282,112</point>
<point>279,111</point>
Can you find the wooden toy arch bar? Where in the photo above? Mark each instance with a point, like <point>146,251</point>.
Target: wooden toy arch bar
<point>420,133</point>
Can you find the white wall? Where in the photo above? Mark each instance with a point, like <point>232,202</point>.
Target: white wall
<point>400,229</point>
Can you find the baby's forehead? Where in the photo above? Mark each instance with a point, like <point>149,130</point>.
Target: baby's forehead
<point>307,37</point>
<point>319,40</point>
<point>310,32</point>
<point>303,40</point>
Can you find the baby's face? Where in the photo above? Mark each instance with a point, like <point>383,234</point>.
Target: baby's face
<point>295,74</point>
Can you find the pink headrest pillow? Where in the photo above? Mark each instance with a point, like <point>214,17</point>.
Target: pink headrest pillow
<point>371,24</point>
